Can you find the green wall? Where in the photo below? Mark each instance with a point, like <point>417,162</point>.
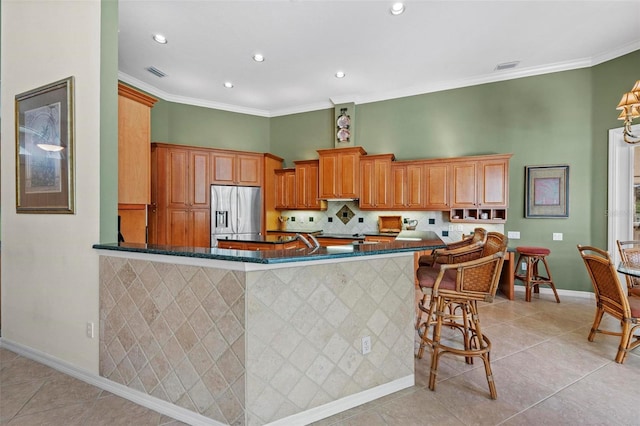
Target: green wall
<point>558,118</point>
<point>109,121</point>
<point>191,125</point>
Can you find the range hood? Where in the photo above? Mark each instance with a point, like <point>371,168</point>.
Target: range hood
<point>340,199</point>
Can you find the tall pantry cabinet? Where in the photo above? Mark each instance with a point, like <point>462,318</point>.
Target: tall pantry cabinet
<point>180,205</point>
<point>134,163</point>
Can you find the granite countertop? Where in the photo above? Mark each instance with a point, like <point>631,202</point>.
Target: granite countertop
<point>430,241</point>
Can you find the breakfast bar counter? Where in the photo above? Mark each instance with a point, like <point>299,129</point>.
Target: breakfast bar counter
<point>253,338</point>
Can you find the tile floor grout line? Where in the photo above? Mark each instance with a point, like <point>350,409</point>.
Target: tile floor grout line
<point>557,392</point>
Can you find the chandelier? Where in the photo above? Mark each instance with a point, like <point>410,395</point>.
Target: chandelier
<point>630,106</point>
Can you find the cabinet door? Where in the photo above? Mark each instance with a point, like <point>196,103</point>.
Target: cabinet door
<point>177,178</point>
<point>464,177</point>
<point>399,182</point>
<point>199,228</point>
<point>382,186</point>
<point>224,168</point>
<point>249,169</point>
<point>328,175</point>
<point>199,187</point>
<point>348,176</point>
<point>134,145</point>
<point>312,172</point>
<point>285,189</point>
<point>367,183</point>
<point>493,183</point>
<point>178,227</point>
<point>437,186</point>
<point>414,186</point>
<point>133,151</point>
<point>301,191</point>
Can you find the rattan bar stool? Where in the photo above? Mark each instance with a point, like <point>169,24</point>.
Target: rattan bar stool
<point>455,291</point>
<point>531,275</point>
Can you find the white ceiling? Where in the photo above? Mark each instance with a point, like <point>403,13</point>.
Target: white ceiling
<point>434,45</point>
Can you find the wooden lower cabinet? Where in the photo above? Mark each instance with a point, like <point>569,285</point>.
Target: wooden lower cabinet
<point>257,246</point>
<point>189,227</point>
<point>379,239</point>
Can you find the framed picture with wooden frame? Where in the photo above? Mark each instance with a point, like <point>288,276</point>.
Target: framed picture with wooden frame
<point>45,149</point>
<point>547,191</point>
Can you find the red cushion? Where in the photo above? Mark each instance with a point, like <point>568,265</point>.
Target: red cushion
<point>427,277</point>
<point>534,251</point>
<point>634,304</point>
<point>425,260</point>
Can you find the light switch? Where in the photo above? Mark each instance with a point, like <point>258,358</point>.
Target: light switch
<point>557,236</point>
<point>514,235</point>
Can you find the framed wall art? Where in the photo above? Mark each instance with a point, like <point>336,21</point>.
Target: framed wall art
<point>547,191</point>
<point>45,149</point>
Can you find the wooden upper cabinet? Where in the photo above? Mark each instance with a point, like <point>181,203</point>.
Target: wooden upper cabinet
<point>307,173</point>
<point>437,186</point>
<point>233,168</point>
<point>285,187</point>
<point>134,146</point>
<point>481,182</point>
<point>464,184</point>
<point>493,183</point>
<point>340,172</point>
<point>408,189</point>
<point>375,181</point>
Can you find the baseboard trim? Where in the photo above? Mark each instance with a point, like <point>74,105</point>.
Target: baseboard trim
<point>561,292</point>
<point>140,398</point>
<point>190,417</point>
<point>343,404</point>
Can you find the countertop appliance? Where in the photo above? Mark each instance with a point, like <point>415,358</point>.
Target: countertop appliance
<point>235,213</point>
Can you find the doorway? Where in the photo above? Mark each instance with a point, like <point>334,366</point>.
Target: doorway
<point>623,211</point>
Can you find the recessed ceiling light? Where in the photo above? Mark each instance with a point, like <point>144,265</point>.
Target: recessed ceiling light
<point>340,74</point>
<point>258,57</point>
<point>397,8</point>
<point>160,38</point>
<point>228,84</point>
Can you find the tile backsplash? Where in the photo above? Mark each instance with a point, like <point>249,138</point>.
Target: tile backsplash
<point>365,221</point>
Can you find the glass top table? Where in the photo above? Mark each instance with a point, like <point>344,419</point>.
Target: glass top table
<point>629,268</point>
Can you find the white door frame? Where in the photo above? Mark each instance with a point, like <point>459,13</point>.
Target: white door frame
<point>621,211</point>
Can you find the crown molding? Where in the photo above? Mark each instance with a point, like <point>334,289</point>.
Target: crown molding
<point>493,77</point>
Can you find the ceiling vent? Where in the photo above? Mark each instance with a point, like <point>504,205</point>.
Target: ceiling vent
<point>507,65</point>
<point>155,71</point>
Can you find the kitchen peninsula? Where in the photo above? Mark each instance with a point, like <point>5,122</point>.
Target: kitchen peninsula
<point>257,337</point>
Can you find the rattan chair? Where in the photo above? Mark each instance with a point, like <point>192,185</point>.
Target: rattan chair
<point>630,252</point>
<point>455,290</point>
<point>611,299</point>
<point>455,252</point>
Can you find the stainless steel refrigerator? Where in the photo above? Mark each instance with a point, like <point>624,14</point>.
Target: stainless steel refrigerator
<point>235,212</point>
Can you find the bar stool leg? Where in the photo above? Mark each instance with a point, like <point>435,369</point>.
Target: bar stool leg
<point>551,284</point>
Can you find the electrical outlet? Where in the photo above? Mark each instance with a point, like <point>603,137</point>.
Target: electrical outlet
<point>523,266</point>
<point>90,330</point>
<point>513,235</point>
<point>293,218</point>
<point>366,345</point>
<point>557,236</point>
<point>310,218</point>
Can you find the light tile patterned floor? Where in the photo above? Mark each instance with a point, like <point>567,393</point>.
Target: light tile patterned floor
<point>546,372</point>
